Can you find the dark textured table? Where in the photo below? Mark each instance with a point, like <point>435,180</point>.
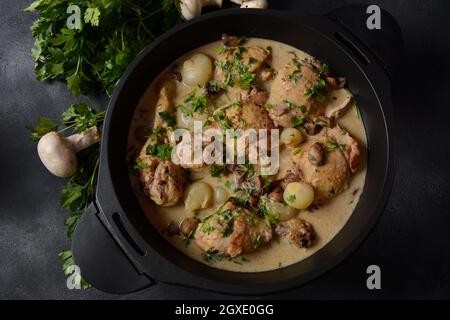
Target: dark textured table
<point>411,242</point>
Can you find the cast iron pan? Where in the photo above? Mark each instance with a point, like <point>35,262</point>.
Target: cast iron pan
<point>119,251</point>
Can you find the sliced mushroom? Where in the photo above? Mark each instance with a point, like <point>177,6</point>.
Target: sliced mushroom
<point>338,100</point>
<point>316,154</point>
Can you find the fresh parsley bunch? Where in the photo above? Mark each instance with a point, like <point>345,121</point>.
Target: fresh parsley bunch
<point>112,32</point>
<point>79,191</point>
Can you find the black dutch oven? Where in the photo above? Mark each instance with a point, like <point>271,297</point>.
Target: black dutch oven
<point>116,247</point>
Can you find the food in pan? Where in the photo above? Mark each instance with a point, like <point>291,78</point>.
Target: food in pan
<point>236,216</point>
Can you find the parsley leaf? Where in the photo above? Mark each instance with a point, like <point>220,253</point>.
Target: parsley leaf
<point>216,170</point>
<point>93,58</point>
<point>70,269</point>
<point>44,126</point>
<point>168,118</point>
<point>92,16</point>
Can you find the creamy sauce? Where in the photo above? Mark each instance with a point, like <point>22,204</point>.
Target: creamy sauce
<point>327,220</point>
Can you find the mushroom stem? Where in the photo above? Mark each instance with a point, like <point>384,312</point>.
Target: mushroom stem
<point>193,8</point>
<point>58,154</point>
<point>258,4</point>
<point>83,140</point>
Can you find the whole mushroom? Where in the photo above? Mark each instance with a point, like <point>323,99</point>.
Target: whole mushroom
<point>58,154</point>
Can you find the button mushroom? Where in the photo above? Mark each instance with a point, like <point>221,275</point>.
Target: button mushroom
<point>58,154</point>
<point>188,226</point>
<point>316,154</point>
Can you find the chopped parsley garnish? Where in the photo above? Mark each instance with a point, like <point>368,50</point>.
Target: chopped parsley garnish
<point>230,185</point>
<point>141,165</point>
<point>296,74</point>
<point>257,241</point>
<point>291,198</point>
<point>216,170</point>
<point>331,146</point>
<point>193,104</point>
<point>297,121</point>
<point>246,80</point>
<point>269,106</point>
<point>292,105</point>
<point>296,63</point>
<point>162,151</point>
<point>235,69</point>
<point>207,227</point>
<point>222,119</point>
<point>168,118</point>
<point>316,91</point>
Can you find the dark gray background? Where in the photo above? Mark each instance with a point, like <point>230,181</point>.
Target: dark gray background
<point>411,243</point>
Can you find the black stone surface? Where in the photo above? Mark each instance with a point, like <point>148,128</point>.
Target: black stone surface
<point>411,243</point>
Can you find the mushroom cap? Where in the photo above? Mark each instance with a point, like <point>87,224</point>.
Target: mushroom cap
<point>56,155</point>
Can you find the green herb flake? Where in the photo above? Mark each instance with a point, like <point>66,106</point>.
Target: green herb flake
<point>141,165</point>
<point>168,118</point>
<point>216,170</point>
<point>246,80</point>
<point>291,198</point>
<point>297,121</point>
<point>331,146</point>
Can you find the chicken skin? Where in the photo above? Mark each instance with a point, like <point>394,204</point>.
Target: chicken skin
<point>232,231</point>
<point>293,93</point>
<point>162,180</point>
<point>329,177</point>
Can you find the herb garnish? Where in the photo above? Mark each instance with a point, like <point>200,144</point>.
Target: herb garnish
<point>111,33</point>
<point>216,170</point>
<point>318,90</point>
<point>297,121</point>
<point>168,118</point>
<point>291,198</point>
<point>79,191</point>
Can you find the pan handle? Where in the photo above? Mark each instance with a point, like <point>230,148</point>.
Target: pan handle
<point>101,260</point>
<point>386,43</point>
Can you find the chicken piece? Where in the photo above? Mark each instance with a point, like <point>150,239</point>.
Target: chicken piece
<point>255,96</point>
<point>348,145</point>
<point>296,230</point>
<point>168,183</point>
<point>249,116</point>
<point>164,104</point>
<point>340,159</point>
<point>162,180</point>
<point>232,231</point>
<point>233,62</point>
<point>296,91</point>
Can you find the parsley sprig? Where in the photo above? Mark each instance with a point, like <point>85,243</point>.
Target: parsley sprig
<point>112,32</point>
<point>79,191</point>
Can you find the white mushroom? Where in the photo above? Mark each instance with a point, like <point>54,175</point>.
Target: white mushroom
<point>193,8</point>
<point>338,100</point>
<point>58,154</point>
<point>258,4</point>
